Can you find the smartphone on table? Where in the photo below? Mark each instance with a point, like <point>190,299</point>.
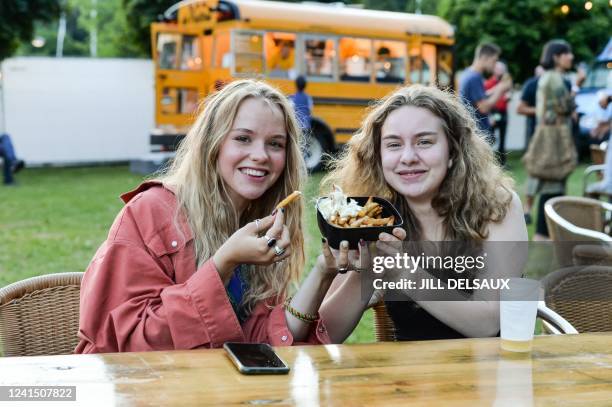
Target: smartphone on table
<point>255,358</point>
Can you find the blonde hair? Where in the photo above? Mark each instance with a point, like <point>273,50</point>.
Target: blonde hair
<point>203,196</point>
<point>475,190</point>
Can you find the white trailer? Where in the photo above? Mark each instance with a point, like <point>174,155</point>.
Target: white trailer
<point>70,111</point>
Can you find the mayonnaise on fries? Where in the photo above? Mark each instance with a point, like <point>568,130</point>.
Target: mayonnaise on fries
<point>340,211</point>
<point>338,204</point>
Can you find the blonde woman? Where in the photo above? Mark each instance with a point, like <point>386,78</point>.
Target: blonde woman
<point>420,148</point>
<point>199,256</point>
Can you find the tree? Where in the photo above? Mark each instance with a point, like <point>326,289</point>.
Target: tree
<point>427,6</point>
<point>17,18</point>
<point>140,14</point>
<point>522,27</point>
<point>110,22</point>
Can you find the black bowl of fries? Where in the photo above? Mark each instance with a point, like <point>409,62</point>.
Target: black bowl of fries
<point>378,215</point>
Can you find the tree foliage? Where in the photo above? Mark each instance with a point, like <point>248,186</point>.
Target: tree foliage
<point>17,18</point>
<point>140,14</point>
<point>111,24</point>
<point>522,27</point>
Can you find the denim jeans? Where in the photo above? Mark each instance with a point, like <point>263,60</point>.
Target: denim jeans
<point>7,152</point>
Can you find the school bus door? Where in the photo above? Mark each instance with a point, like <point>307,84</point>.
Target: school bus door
<point>181,80</point>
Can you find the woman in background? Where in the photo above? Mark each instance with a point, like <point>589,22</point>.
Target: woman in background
<point>554,106</point>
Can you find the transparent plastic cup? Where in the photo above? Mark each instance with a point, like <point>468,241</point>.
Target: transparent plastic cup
<point>518,308</point>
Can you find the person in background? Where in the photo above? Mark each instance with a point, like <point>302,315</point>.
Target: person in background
<point>599,133</point>
<point>384,68</point>
<point>281,63</point>
<point>527,103</point>
<point>11,164</point>
<point>603,115</point>
<point>472,90</point>
<point>527,108</point>
<point>302,104</point>
<point>554,105</point>
<point>499,114</point>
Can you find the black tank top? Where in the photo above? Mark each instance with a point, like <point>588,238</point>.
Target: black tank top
<point>413,323</point>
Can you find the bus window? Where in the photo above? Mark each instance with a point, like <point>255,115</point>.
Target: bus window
<point>248,51</point>
<point>167,49</point>
<point>188,100</point>
<point>222,56</point>
<point>319,58</point>
<point>179,100</point>
<point>355,59</point>
<point>191,59</point>
<point>280,54</point>
<point>390,65</point>
<point>445,67</point>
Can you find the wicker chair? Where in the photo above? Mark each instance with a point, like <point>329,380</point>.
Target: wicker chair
<point>40,315</point>
<point>576,219</point>
<point>583,295</point>
<point>554,323</point>
<point>598,152</point>
<point>598,157</point>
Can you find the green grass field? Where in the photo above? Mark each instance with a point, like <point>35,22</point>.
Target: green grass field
<point>57,217</point>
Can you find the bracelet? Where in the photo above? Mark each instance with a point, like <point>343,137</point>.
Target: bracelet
<point>308,318</point>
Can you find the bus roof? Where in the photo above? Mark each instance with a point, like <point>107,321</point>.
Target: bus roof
<point>334,18</point>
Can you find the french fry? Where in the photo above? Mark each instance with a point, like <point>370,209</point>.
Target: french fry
<point>358,222</point>
<point>374,210</point>
<point>378,222</point>
<point>368,205</point>
<point>290,198</point>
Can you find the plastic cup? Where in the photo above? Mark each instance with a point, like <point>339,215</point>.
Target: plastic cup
<point>518,308</point>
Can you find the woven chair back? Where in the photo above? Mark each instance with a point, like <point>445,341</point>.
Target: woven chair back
<point>582,212</point>
<point>581,295</point>
<point>383,324</point>
<point>40,315</point>
<point>574,219</point>
<point>598,154</point>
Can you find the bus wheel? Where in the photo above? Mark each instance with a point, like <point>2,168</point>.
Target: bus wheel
<point>315,147</point>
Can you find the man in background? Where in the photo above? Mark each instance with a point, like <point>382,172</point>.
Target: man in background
<point>499,116</point>
<point>472,90</point>
<point>302,104</point>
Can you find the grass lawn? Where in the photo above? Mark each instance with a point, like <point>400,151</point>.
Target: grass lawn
<point>57,217</point>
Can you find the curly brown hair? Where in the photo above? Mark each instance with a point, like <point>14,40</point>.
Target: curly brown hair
<point>475,190</point>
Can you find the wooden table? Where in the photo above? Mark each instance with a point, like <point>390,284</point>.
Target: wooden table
<point>571,369</point>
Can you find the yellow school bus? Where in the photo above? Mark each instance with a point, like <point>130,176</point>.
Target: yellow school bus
<point>349,57</point>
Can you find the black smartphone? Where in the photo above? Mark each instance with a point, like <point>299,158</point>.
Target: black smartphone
<point>255,358</point>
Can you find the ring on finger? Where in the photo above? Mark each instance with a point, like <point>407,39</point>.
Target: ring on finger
<point>343,269</point>
<point>271,240</point>
<point>278,250</point>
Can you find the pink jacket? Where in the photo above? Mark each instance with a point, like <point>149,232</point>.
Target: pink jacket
<point>142,292</point>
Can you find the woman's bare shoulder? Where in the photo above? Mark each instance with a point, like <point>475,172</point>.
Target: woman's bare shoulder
<point>512,227</point>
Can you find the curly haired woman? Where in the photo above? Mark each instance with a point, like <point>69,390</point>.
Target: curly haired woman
<point>421,149</point>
